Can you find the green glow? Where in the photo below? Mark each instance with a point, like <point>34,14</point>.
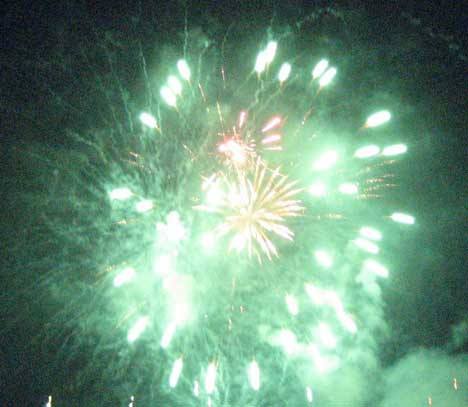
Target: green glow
<point>292,305</point>
<point>326,160</point>
<point>318,189</point>
<point>137,329</point>
<point>327,77</point>
<point>319,69</point>
<point>284,72</point>
<point>376,268</point>
<point>366,245</point>
<point>367,151</point>
<point>124,277</point>
<point>210,378</point>
<point>208,241</point>
<point>323,258</point>
<point>120,194</point>
<point>148,120</point>
<point>370,233</point>
<point>403,218</point>
<point>175,373</point>
<point>174,85</point>
<point>168,96</point>
<point>184,69</point>
<point>378,118</point>
<point>144,206</point>
<point>395,149</point>
<point>254,375</point>
<point>348,188</point>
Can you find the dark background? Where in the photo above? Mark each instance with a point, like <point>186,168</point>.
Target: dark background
<point>419,46</point>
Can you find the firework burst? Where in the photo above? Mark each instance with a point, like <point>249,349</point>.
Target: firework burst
<point>226,334</point>
<point>254,206</point>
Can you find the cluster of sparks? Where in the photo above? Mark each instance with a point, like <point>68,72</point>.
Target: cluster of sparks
<point>254,202</point>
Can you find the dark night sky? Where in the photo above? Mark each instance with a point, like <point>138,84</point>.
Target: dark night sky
<point>419,46</point>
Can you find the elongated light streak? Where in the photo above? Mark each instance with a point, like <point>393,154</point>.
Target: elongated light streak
<point>174,85</point>
<point>284,72</point>
<point>395,149</point>
<point>254,375</point>
<point>377,119</point>
<point>148,120</point>
<point>319,69</point>
<point>184,69</point>
<point>210,378</point>
<point>168,335</point>
<point>168,96</point>
<point>367,151</point>
<point>323,258</point>
<point>370,233</point>
<point>273,123</point>
<point>144,206</point>
<point>292,305</point>
<point>327,77</point>
<point>375,267</point>
<point>137,329</point>
<point>366,245</point>
<point>326,160</point>
<point>402,218</point>
<point>175,373</point>
<point>124,277</point>
<point>120,194</point>
<point>309,394</point>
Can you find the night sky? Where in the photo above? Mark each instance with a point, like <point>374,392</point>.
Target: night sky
<point>411,55</point>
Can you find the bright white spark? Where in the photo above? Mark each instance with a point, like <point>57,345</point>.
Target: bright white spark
<point>347,322</point>
<point>376,268</point>
<point>323,258</point>
<point>144,206</point>
<point>318,189</point>
<point>273,123</point>
<point>184,69</point>
<point>163,265</point>
<point>137,329</point>
<point>367,151</point>
<point>326,161</point>
<point>148,120</point>
<point>395,149</point>
<point>174,85</point>
<point>270,51</point>
<point>378,118</point>
<point>254,375</point>
<point>210,378</point>
<point>402,218</point>
<point>261,62</point>
<point>309,394</point>
<point>319,69</point>
<point>292,305</point>
<point>284,72</point>
<point>326,336</point>
<point>120,194</point>
<point>167,335</point>
<point>196,388</point>
<point>124,277</point>
<point>175,373</point>
<point>327,77</point>
<point>370,233</point>
<point>348,188</point>
<point>287,340</point>
<point>168,96</point>
<point>366,245</point>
